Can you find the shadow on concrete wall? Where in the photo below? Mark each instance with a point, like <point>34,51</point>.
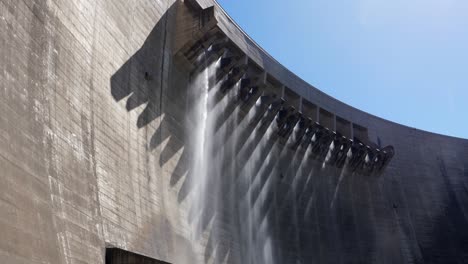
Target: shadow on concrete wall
<point>149,77</point>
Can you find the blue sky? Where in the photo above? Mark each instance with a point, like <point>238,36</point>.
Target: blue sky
<point>403,60</point>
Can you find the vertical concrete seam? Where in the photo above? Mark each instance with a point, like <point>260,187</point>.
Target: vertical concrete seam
<point>99,221</point>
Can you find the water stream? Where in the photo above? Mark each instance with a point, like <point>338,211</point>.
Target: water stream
<point>216,187</point>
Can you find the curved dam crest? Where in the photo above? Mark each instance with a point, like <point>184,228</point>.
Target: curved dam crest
<point>159,132</point>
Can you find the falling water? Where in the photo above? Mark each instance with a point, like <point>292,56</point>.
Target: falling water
<point>215,153</point>
<point>256,228</point>
<point>203,167</point>
<point>200,166</point>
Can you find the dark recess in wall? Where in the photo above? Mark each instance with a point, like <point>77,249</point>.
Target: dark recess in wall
<point>120,256</point>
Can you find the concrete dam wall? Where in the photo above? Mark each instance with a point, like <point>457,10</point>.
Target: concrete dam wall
<point>159,132</point>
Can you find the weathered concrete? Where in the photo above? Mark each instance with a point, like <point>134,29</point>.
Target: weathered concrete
<point>94,153</point>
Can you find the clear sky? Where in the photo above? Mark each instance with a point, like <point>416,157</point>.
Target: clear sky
<point>403,60</point>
